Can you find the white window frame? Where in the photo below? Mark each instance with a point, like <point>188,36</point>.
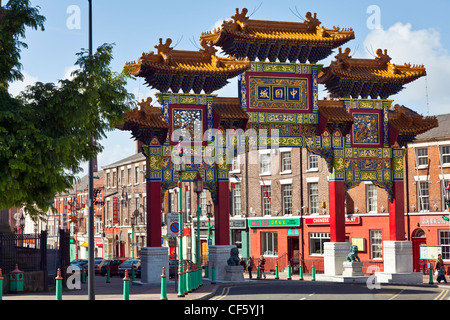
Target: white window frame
<point>445,155</point>
<point>313,198</point>
<point>422,157</point>
<point>264,168</point>
<point>287,198</point>
<point>236,193</point>
<point>266,206</point>
<point>286,162</point>
<point>371,196</point>
<point>269,243</point>
<point>376,244</point>
<point>423,197</point>
<point>313,162</point>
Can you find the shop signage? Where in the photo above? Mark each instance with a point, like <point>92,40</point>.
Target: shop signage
<point>115,210</point>
<point>430,221</point>
<point>274,222</point>
<point>326,220</point>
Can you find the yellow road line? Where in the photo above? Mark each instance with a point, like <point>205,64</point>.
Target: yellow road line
<point>396,295</point>
<point>223,294</point>
<point>441,295</point>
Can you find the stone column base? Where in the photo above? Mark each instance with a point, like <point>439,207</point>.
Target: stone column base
<point>335,254</point>
<point>398,264</point>
<point>352,269</point>
<point>234,273</point>
<point>219,255</point>
<point>153,259</point>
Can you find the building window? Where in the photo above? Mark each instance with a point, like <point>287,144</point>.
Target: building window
<point>376,248</point>
<point>422,156</point>
<point>136,174</point>
<point>236,193</point>
<point>266,201</point>
<point>114,179</point>
<point>424,204</point>
<point>287,199</point>
<point>444,241</point>
<point>187,197</point>
<point>236,238</point>
<point>286,161</point>
<point>269,243</point>
<point>313,161</point>
<point>203,203</point>
<point>316,242</point>
<point>445,154</point>
<point>313,195</point>
<point>122,177</point>
<point>444,194</point>
<point>235,166</point>
<point>129,176</point>
<point>371,196</point>
<point>265,163</point>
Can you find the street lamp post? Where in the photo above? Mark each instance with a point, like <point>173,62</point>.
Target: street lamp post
<point>133,219</point>
<point>198,189</point>
<point>179,166</point>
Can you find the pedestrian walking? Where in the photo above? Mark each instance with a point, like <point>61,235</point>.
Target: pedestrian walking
<point>440,270</point>
<point>261,263</point>
<point>250,265</point>
<point>242,263</point>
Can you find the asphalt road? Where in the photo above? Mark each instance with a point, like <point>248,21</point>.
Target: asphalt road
<point>301,290</point>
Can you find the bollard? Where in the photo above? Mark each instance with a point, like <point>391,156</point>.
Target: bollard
<point>59,285</point>
<point>206,271</point>
<point>258,273</point>
<point>163,284</point>
<point>301,273</point>
<point>277,276</point>
<point>108,275</point>
<point>200,279</point>
<point>1,285</point>
<point>289,272</point>
<point>188,278</point>
<point>313,274</point>
<point>213,274</point>
<point>430,278</point>
<point>83,275</point>
<point>180,281</point>
<point>126,286</point>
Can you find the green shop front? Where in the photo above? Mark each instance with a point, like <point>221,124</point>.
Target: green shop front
<point>277,239</point>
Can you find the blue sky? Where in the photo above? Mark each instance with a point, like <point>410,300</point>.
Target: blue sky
<point>413,32</point>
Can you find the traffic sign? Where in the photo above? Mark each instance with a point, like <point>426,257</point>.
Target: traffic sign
<point>173,225</point>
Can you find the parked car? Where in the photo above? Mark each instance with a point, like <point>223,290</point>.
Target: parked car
<point>80,264</point>
<point>127,265</point>
<point>111,264</point>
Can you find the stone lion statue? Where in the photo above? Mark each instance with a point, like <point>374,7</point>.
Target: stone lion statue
<point>353,255</point>
<point>233,260</point>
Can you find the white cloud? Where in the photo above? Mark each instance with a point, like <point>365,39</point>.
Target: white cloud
<point>424,46</point>
<point>68,72</point>
<point>16,87</point>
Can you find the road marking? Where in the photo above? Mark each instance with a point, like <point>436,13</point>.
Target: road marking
<point>223,294</point>
<point>310,295</point>
<point>396,295</point>
<point>441,295</point>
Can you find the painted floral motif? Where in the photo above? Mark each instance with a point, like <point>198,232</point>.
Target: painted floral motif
<point>366,128</point>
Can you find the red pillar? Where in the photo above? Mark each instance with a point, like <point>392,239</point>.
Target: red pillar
<point>337,210</point>
<point>397,213</point>
<point>222,214</point>
<point>153,189</point>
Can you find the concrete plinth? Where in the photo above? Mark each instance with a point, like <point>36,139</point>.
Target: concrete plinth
<point>352,269</point>
<point>219,255</point>
<point>153,259</point>
<point>335,254</point>
<point>398,264</point>
<point>234,273</point>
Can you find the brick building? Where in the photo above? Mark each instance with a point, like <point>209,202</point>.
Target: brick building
<point>294,224</point>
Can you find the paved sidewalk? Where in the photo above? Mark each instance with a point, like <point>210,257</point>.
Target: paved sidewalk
<point>114,289</point>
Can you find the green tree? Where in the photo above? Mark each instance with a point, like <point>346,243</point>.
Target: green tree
<point>47,131</point>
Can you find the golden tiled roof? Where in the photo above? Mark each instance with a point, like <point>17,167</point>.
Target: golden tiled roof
<point>407,121</point>
<point>229,108</point>
<point>378,69</point>
<point>308,33</point>
<point>147,116</point>
<point>334,111</point>
<point>179,65</point>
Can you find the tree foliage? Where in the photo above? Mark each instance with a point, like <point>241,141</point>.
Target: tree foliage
<point>48,130</point>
